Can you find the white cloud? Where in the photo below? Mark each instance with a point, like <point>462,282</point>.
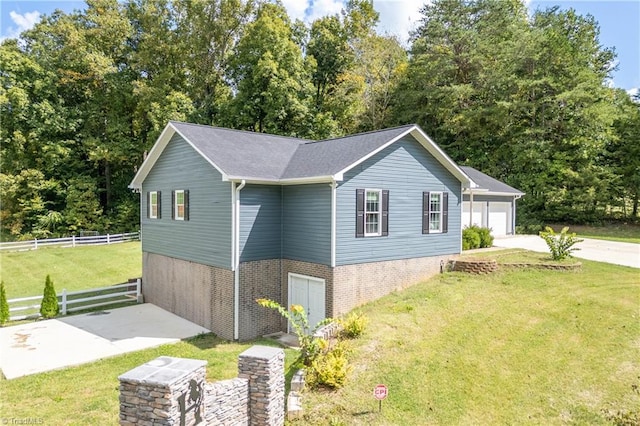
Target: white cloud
<point>296,8</point>
<point>633,92</point>
<point>24,22</point>
<point>321,8</point>
<point>399,17</point>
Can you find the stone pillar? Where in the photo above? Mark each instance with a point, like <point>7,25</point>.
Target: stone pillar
<point>263,366</point>
<point>165,391</point>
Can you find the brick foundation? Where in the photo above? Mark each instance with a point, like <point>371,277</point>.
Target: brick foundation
<point>259,280</point>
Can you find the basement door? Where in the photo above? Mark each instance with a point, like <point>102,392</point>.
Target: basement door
<point>309,293</point>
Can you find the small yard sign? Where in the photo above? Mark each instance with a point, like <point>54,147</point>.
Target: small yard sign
<point>380,392</point>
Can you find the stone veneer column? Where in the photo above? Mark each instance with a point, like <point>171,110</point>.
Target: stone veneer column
<point>165,391</point>
<point>263,366</point>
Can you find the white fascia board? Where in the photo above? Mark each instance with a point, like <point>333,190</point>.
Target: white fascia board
<point>499,194</point>
<point>442,157</point>
<point>157,149</point>
<point>292,181</point>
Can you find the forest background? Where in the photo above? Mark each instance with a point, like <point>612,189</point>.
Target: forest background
<point>520,96</point>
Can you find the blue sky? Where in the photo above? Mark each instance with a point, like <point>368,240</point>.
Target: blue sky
<point>619,22</point>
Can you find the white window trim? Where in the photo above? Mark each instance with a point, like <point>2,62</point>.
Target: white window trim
<point>151,194</point>
<point>439,230</point>
<point>379,233</point>
<point>175,204</point>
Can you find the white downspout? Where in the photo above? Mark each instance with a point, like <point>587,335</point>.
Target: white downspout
<point>236,261</point>
<point>333,223</point>
<point>470,208</point>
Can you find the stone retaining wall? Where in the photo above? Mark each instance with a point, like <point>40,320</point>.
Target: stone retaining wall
<point>173,391</point>
<point>475,266</point>
<point>547,266</point>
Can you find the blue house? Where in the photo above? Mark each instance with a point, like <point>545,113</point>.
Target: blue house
<point>230,216</point>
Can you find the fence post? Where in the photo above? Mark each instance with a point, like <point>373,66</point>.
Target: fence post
<point>73,241</point>
<point>108,242</point>
<point>64,301</point>
<point>35,244</point>
<point>139,297</point>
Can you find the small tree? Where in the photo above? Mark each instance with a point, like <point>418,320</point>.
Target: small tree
<point>310,345</point>
<point>4,305</point>
<point>560,245</point>
<point>49,307</point>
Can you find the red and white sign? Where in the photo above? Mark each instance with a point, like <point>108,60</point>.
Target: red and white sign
<point>380,392</point>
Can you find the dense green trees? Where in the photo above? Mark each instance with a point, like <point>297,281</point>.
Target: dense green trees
<point>525,98</point>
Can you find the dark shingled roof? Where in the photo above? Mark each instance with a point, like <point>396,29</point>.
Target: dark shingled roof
<point>262,156</point>
<point>327,157</point>
<point>487,182</point>
<point>240,153</point>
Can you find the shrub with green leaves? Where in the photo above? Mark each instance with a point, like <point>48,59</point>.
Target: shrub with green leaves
<point>4,305</point>
<point>353,325</point>
<point>331,369</point>
<point>560,245</point>
<point>486,239</point>
<point>49,307</point>
<point>310,345</point>
<point>470,238</point>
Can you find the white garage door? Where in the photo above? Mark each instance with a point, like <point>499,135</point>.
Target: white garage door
<point>499,218</point>
<point>479,210</point>
<point>309,293</point>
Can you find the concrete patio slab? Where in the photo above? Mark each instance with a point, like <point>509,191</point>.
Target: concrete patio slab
<point>57,343</point>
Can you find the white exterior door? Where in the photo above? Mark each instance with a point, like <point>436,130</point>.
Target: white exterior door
<point>500,218</point>
<point>308,292</point>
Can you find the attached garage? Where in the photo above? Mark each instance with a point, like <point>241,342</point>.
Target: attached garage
<point>491,204</point>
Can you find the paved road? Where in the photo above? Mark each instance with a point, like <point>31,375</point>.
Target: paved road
<point>626,254</point>
<point>52,344</point>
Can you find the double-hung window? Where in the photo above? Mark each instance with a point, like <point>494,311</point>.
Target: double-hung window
<point>435,212</point>
<point>372,212</point>
<point>153,205</point>
<point>180,205</point>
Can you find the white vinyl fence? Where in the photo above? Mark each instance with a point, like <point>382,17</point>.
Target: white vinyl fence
<point>29,307</point>
<point>70,241</point>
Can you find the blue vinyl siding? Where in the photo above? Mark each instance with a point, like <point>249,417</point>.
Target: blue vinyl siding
<point>260,222</point>
<point>206,237</point>
<point>406,169</point>
<point>307,223</point>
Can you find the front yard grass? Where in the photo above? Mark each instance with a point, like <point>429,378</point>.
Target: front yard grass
<point>626,233</point>
<point>88,394</point>
<point>77,268</point>
<point>507,256</point>
<point>515,347</point>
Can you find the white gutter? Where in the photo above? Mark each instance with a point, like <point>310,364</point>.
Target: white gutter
<point>333,224</point>
<point>236,259</point>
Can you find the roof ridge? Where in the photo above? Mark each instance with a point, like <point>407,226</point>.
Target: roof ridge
<point>301,140</point>
<point>360,134</point>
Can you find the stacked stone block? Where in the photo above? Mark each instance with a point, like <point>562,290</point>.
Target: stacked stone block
<point>165,391</point>
<point>475,266</point>
<point>227,402</point>
<point>264,368</point>
<point>173,391</point>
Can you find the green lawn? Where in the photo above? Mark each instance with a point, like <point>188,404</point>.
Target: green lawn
<point>76,268</point>
<point>88,394</point>
<point>625,233</point>
<point>515,347</point>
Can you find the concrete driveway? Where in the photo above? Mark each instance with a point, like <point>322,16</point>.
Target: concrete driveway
<point>52,344</point>
<point>626,254</point>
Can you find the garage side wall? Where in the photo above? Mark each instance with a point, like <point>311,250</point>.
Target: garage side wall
<point>259,280</point>
<point>199,293</point>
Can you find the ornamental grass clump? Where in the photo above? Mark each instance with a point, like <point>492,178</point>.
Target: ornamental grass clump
<point>560,245</point>
<point>49,307</point>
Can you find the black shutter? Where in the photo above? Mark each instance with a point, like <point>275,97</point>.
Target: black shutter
<point>173,205</point>
<point>186,204</point>
<point>385,212</point>
<point>425,212</point>
<point>159,200</point>
<point>148,204</point>
<point>359,213</point>
<point>445,212</point>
